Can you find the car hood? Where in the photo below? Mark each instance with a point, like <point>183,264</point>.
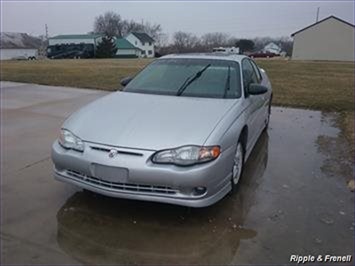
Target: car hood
<point>146,121</point>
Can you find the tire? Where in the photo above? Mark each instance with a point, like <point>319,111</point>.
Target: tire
<point>238,164</point>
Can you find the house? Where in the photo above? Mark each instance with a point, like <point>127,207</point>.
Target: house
<point>76,39</point>
<point>142,41</point>
<point>126,50</point>
<point>329,39</point>
<point>18,46</point>
<point>272,48</point>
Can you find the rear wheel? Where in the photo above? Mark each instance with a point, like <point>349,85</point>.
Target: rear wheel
<point>238,164</point>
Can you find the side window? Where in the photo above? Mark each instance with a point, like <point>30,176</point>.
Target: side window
<point>249,75</point>
<point>257,71</point>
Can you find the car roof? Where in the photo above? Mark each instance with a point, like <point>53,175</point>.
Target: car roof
<point>215,55</point>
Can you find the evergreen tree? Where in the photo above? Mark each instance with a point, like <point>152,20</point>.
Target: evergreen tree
<point>106,48</point>
<point>245,45</point>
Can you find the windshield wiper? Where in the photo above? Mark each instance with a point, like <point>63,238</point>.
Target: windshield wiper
<point>227,86</point>
<point>191,79</point>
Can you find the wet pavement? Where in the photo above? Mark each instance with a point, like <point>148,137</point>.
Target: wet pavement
<point>292,199</point>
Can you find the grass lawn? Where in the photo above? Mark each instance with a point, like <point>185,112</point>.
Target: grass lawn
<point>102,74</point>
<point>326,86</point>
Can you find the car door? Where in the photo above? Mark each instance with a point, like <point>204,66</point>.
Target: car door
<point>262,98</point>
<point>253,103</point>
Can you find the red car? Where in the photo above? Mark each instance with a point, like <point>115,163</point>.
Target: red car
<point>261,54</point>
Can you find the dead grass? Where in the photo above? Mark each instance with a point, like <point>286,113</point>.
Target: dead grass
<point>326,86</point>
<point>102,74</point>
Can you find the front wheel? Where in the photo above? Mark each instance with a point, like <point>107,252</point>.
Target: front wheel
<point>238,164</point>
<point>267,121</point>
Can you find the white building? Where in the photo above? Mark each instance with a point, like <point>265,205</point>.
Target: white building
<point>329,39</point>
<point>18,46</point>
<point>75,39</point>
<point>126,50</point>
<point>233,50</point>
<point>142,41</point>
<point>272,48</point>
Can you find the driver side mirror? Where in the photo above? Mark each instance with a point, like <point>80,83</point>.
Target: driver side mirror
<point>256,89</point>
<point>125,81</point>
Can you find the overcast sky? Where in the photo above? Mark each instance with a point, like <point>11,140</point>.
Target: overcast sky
<point>237,18</point>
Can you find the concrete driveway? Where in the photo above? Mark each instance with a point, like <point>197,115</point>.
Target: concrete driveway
<point>292,200</point>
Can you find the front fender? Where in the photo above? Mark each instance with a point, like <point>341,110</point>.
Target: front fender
<point>227,133</point>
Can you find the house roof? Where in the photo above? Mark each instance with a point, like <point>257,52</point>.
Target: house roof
<point>271,44</point>
<point>15,40</point>
<point>122,43</point>
<point>334,17</point>
<point>143,37</point>
<point>76,36</point>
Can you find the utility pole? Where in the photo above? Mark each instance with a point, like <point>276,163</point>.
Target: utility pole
<point>317,14</point>
<point>46,27</point>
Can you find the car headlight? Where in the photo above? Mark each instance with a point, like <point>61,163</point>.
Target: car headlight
<point>187,155</point>
<point>69,141</point>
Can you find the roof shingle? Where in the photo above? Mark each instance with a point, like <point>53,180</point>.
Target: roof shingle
<point>77,36</point>
<point>143,37</point>
<point>122,43</point>
<point>14,40</point>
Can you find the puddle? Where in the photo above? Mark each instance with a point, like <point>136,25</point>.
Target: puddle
<point>129,232</point>
<point>287,203</point>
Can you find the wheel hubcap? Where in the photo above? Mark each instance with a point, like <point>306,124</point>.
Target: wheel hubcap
<point>237,164</point>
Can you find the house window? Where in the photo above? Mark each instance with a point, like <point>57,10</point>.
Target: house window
<point>135,42</point>
<point>143,43</point>
<point>150,43</point>
<point>143,52</point>
<point>150,52</point>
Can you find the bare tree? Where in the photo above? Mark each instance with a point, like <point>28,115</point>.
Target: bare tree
<point>109,24</point>
<point>131,25</point>
<point>153,30</point>
<point>214,39</point>
<point>162,40</point>
<point>185,42</point>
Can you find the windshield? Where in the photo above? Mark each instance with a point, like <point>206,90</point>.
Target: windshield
<point>189,77</point>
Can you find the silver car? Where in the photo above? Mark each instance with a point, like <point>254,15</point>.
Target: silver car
<point>179,132</point>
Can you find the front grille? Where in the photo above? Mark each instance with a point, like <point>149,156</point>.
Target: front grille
<point>121,186</point>
<point>97,148</point>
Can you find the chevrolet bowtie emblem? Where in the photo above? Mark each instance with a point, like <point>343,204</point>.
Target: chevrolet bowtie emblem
<point>112,153</point>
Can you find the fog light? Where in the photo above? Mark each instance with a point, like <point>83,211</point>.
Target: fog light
<point>199,191</point>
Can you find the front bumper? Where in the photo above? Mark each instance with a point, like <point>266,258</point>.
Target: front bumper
<point>144,180</point>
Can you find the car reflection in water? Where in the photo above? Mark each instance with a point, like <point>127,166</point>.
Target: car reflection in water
<point>95,229</point>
